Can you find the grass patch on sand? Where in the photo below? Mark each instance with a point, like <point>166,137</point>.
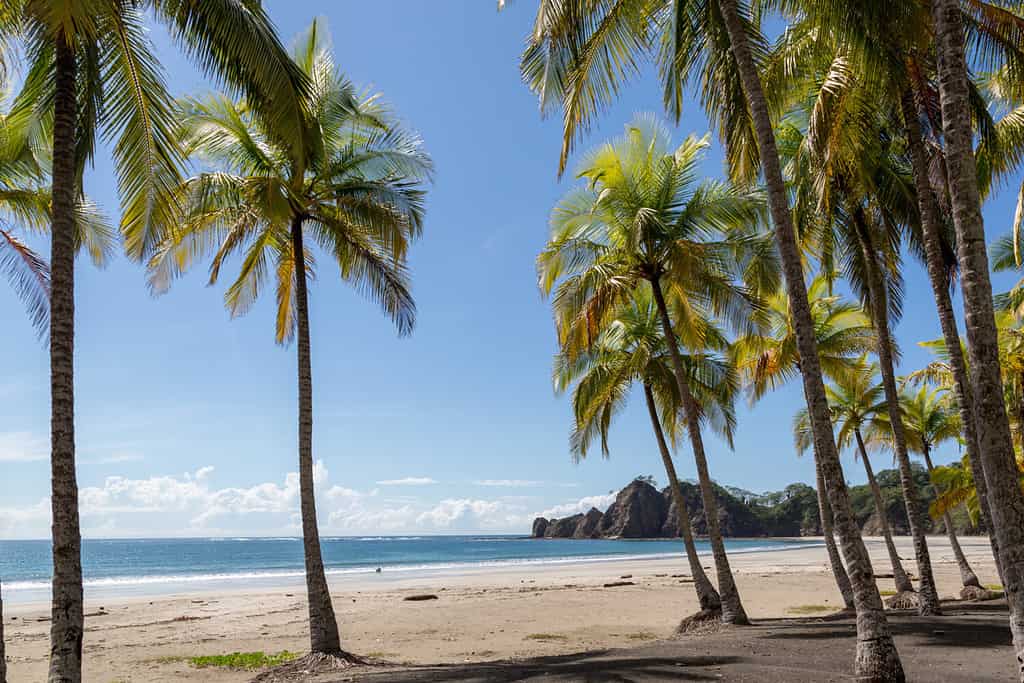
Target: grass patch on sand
<point>244,661</point>
<point>809,609</point>
<point>546,637</point>
<point>642,635</point>
<point>886,594</point>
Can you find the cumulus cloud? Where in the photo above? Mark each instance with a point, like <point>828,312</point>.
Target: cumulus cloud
<point>582,505</point>
<point>22,447</point>
<point>408,481</point>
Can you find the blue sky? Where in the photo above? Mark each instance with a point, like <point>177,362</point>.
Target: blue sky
<point>186,419</point>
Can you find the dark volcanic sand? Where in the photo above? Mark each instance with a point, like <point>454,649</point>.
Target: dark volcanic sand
<point>970,643</point>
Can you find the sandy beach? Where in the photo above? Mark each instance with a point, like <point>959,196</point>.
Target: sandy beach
<point>480,615</point>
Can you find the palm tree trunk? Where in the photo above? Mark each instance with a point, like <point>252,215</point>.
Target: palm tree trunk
<point>876,658</point>
<point>836,562</point>
<point>732,606</point>
<point>3,648</point>
<point>67,624</point>
<point>967,575</point>
<point>1005,498</point>
<point>928,600</point>
<point>323,626</point>
<point>706,593</point>
<point>899,576</point>
<point>937,274</point>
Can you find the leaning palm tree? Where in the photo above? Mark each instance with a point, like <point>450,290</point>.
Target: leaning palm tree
<point>995,441</point>
<point>25,213</point>
<point>358,198</point>
<point>856,400</point>
<point>92,71</point>
<point>768,360</point>
<point>578,56</point>
<point>631,350</point>
<point>855,202</point>
<point>931,420</point>
<point>642,218</point>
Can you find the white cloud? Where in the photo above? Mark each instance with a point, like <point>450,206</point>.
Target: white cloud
<point>408,481</point>
<point>582,505</point>
<point>471,515</point>
<point>23,447</point>
<point>509,483</point>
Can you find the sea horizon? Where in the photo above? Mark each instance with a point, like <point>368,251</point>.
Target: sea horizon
<point>138,567</point>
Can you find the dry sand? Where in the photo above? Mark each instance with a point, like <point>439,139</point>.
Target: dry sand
<point>480,615</point>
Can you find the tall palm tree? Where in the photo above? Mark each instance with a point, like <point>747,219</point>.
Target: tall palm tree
<point>855,202</point>
<point>996,444</point>
<point>629,350</point>
<point>92,70</point>
<point>768,360</point>
<point>931,420</point>
<point>857,399</point>
<point>644,218</point>
<point>358,197</point>
<point>578,56</point>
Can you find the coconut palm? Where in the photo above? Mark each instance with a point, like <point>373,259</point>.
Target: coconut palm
<point>930,421</point>
<point>993,426</point>
<point>631,350</point>
<point>856,400</point>
<point>641,218</point>
<point>579,55</point>
<point>768,360</point>
<point>92,71</point>
<point>358,197</point>
<point>855,200</point>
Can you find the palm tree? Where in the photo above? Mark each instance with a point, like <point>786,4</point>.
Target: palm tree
<point>995,442</point>
<point>631,349</point>
<point>3,649</point>
<point>358,197</point>
<point>25,212</point>
<point>931,420</point>
<point>855,198</point>
<point>644,218</point>
<point>92,70</point>
<point>578,56</point>
<point>766,361</point>
<point>856,400</point>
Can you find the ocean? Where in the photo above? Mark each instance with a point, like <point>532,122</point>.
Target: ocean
<point>139,567</point>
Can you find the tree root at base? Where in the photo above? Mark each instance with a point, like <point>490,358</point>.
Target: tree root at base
<point>974,593</point>
<point>903,600</point>
<point>702,622</point>
<point>310,665</point>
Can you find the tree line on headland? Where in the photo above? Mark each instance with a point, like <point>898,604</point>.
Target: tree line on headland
<point>861,134</point>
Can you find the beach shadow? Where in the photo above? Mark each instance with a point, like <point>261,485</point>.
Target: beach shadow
<point>593,667</point>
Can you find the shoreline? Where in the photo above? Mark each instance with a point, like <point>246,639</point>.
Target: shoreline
<point>35,592</point>
<point>481,615</point>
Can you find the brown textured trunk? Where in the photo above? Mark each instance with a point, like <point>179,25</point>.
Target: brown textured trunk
<point>967,575</point>
<point>707,596</point>
<point>3,648</point>
<point>732,606</point>
<point>323,626</point>
<point>937,275</point>
<point>928,596</point>
<point>996,445</point>
<point>899,576</point>
<point>67,618</point>
<point>834,560</point>
<point>876,657</point>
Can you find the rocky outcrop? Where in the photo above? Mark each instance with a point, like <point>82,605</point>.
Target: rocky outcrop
<point>540,525</point>
<point>638,512</point>
<point>590,525</point>
<point>642,511</point>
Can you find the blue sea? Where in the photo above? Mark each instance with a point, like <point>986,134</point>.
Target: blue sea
<point>138,567</point>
